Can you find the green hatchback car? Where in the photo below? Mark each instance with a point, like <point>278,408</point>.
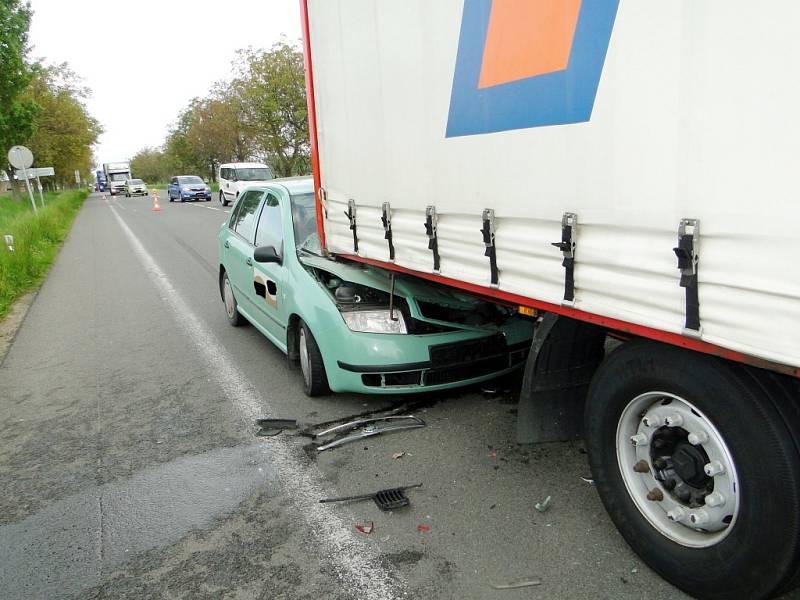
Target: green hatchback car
<point>352,327</point>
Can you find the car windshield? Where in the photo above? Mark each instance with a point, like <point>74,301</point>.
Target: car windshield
<point>190,180</point>
<point>254,174</point>
<point>304,222</point>
<point>136,182</point>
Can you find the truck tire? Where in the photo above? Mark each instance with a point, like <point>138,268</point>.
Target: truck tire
<point>315,380</point>
<point>695,461</point>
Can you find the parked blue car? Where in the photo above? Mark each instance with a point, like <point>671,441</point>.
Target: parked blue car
<point>188,187</point>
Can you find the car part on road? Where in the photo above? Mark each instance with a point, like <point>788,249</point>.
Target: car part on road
<point>367,527</point>
<point>711,433</point>
<point>371,427</point>
<point>544,505</point>
<point>516,584</point>
<point>272,427</point>
<point>386,500</point>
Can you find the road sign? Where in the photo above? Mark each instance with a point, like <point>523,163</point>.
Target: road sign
<point>20,157</point>
<point>38,172</point>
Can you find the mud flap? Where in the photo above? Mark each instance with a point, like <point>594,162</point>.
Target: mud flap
<point>564,356</point>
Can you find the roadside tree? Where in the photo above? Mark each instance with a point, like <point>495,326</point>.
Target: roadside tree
<point>17,113</point>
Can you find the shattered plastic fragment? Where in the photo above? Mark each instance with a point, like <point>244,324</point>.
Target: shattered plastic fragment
<point>422,528</point>
<point>588,480</point>
<point>516,584</point>
<point>545,505</point>
<point>397,455</point>
<point>367,527</point>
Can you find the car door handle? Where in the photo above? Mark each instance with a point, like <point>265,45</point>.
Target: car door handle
<point>249,262</point>
<point>227,244</point>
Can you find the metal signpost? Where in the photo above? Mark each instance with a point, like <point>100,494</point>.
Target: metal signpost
<point>21,157</point>
<point>41,172</point>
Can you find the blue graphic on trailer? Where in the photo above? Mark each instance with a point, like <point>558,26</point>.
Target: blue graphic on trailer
<point>486,104</point>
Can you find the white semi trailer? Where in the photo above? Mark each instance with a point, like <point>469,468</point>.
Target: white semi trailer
<point>614,168</point>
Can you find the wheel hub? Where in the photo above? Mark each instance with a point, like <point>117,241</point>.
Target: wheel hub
<point>677,469</point>
<point>688,462</point>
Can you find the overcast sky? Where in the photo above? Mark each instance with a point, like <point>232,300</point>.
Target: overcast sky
<point>145,59</point>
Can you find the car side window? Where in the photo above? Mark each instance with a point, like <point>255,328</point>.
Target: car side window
<point>224,173</point>
<point>270,224</point>
<point>245,221</point>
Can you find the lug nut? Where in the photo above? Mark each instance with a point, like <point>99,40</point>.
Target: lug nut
<point>653,421</point>
<point>655,495</point>
<point>676,515</point>
<point>715,499</point>
<point>640,439</point>
<point>641,467</point>
<point>714,468</point>
<point>674,420</point>
<point>698,437</point>
<point>699,518</point>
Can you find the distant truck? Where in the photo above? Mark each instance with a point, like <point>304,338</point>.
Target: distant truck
<point>116,176</point>
<point>625,173</point>
<point>101,180</point>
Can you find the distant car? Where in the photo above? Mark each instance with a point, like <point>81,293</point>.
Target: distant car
<point>135,187</point>
<point>340,321</point>
<point>234,177</point>
<point>188,187</point>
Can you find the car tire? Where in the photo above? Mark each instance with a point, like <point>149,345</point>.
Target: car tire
<point>222,199</point>
<point>315,380</point>
<point>744,420</point>
<point>235,318</point>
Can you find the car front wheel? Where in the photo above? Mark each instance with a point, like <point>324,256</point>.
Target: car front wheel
<point>315,380</point>
<point>222,199</point>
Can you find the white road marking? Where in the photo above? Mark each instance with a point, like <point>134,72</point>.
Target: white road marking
<point>356,565</point>
<point>206,207</point>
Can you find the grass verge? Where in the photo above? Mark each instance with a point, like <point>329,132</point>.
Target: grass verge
<point>37,239</point>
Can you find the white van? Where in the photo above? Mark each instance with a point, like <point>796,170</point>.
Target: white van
<point>234,177</point>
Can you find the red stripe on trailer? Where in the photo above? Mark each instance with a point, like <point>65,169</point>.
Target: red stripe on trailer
<point>312,118</point>
<point>614,324</point>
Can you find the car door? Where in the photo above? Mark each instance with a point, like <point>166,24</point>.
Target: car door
<point>269,278</point>
<point>228,189</point>
<point>239,249</point>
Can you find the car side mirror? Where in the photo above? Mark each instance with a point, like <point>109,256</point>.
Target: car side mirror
<point>266,254</point>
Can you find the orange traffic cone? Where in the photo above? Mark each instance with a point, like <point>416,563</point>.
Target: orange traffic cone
<point>156,207</point>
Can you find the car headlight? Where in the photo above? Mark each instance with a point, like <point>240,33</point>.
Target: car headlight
<point>374,321</point>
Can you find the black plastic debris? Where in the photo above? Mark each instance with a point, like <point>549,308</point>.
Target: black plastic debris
<point>390,499</point>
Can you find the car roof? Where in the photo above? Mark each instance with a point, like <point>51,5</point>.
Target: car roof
<point>242,165</point>
<point>293,185</point>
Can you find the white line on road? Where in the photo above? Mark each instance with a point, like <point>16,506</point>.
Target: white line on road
<point>208,207</point>
<point>355,564</point>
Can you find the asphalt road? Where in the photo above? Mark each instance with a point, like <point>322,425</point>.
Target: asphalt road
<point>130,469</point>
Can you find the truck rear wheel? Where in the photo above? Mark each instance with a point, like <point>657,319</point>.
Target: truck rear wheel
<point>695,461</point>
